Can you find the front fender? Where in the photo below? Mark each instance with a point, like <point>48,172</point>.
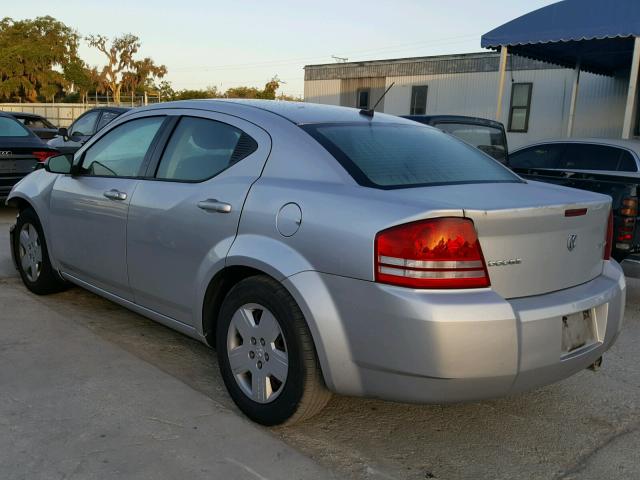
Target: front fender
<point>35,189</point>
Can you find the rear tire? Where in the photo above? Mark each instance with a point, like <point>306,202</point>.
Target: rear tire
<point>32,256</point>
<point>276,377</point>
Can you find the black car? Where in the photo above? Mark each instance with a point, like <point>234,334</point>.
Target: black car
<point>69,140</point>
<point>20,152</point>
<point>484,134</point>
<point>39,125</point>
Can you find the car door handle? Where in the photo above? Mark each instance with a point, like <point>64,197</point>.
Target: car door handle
<point>114,194</point>
<point>212,205</point>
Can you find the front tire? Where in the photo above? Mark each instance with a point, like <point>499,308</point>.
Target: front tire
<point>266,354</point>
<point>32,256</point>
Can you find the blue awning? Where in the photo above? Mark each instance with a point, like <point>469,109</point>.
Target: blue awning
<point>597,33</point>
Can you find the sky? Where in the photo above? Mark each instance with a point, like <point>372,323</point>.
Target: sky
<point>247,42</point>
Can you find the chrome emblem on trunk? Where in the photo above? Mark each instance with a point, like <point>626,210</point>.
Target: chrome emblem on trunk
<point>5,152</point>
<point>571,241</point>
<point>504,263</point>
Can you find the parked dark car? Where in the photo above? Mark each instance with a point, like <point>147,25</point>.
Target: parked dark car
<point>20,152</point>
<point>39,125</point>
<point>606,166</point>
<point>486,135</point>
<point>69,140</point>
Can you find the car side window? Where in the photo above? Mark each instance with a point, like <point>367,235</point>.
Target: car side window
<point>121,152</point>
<point>85,125</point>
<point>200,149</point>
<point>584,156</point>
<point>627,162</point>
<point>106,118</point>
<point>538,156</point>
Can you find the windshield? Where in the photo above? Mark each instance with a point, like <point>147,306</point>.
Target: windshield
<point>10,127</point>
<point>397,155</point>
<point>488,139</point>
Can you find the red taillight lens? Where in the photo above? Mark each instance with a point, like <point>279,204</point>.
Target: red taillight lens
<point>609,238</point>
<point>435,253</point>
<point>42,155</point>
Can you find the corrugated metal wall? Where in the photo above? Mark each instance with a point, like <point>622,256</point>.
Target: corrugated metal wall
<point>326,92</point>
<point>349,89</point>
<point>599,111</point>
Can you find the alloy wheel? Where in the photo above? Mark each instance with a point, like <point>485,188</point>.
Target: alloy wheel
<point>30,252</point>
<point>257,353</point>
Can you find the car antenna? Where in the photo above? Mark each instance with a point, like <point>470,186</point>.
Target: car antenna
<point>369,112</point>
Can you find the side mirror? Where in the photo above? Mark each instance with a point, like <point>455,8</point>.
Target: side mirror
<point>64,133</point>
<point>59,164</point>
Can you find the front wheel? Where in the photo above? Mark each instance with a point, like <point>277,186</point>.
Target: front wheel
<point>32,256</point>
<point>266,354</point>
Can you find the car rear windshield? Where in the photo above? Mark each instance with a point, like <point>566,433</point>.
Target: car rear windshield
<point>10,127</point>
<point>399,156</point>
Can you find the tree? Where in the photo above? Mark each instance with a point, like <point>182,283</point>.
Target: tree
<point>242,92</point>
<point>31,54</point>
<point>121,68</point>
<point>142,74</point>
<point>268,93</point>
<point>83,78</point>
<point>209,92</point>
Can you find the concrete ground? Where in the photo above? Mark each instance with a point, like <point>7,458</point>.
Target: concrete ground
<point>90,390</point>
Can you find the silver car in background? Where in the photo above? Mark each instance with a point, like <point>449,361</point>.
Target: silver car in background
<point>322,249</point>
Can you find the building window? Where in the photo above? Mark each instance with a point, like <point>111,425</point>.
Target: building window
<point>418,100</point>
<point>362,100</point>
<point>520,107</point>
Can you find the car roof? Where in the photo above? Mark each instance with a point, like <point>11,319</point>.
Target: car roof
<point>110,109</point>
<point>431,119</point>
<point>24,114</point>
<point>633,145</point>
<point>299,113</point>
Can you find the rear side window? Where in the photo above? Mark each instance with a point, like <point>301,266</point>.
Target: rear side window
<point>584,156</point>
<point>540,156</point>
<point>106,118</point>
<point>12,128</point>
<point>85,125</point>
<point>397,156</point>
<point>488,139</point>
<point>200,149</point>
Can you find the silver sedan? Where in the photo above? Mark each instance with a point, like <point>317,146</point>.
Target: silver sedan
<point>322,249</point>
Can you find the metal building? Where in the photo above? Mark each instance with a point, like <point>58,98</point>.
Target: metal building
<point>536,102</point>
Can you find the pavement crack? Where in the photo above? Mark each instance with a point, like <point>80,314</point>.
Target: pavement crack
<point>246,468</point>
<point>580,464</point>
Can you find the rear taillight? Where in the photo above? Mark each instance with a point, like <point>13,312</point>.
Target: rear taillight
<point>42,155</point>
<point>629,207</point>
<point>627,223</point>
<point>435,253</point>
<point>609,238</point>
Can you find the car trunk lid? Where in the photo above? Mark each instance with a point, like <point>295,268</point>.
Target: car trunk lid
<point>536,238</point>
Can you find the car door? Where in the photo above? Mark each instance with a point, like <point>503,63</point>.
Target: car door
<point>183,219</point>
<point>89,210</point>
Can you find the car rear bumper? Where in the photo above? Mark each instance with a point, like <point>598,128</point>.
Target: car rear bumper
<point>424,346</point>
